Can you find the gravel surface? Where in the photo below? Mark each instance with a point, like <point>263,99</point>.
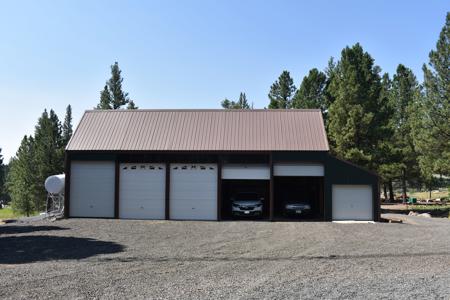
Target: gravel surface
<point>115,259</point>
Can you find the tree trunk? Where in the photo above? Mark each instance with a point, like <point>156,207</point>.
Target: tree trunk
<point>404,195</point>
<point>391,191</point>
<point>385,192</point>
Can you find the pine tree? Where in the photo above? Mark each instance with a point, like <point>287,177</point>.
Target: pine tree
<point>311,92</point>
<point>242,103</point>
<point>281,92</point>
<point>118,97</point>
<point>356,126</point>
<point>330,74</point>
<point>431,126</point>
<point>112,96</point>
<point>386,155</point>
<point>67,127</point>
<point>405,90</point>
<point>2,174</point>
<point>105,99</point>
<point>21,181</point>
<point>6,197</point>
<point>49,154</point>
<point>227,104</point>
<point>131,105</point>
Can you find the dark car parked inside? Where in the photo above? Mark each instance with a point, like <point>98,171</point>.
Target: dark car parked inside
<point>297,208</point>
<point>247,204</point>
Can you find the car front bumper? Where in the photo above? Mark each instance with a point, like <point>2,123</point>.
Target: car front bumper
<point>243,212</point>
<point>297,210</point>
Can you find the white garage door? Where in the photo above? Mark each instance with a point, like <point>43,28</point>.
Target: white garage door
<point>352,202</point>
<point>142,191</point>
<point>92,189</point>
<point>193,191</point>
<point>299,169</point>
<point>241,171</point>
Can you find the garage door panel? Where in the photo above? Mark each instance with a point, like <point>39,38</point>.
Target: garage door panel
<point>246,171</point>
<point>298,169</point>
<point>201,210</point>
<point>352,202</point>
<point>92,189</point>
<point>142,191</point>
<point>193,192</point>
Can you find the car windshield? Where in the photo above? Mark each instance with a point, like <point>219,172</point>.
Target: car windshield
<point>295,201</point>
<point>247,196</point>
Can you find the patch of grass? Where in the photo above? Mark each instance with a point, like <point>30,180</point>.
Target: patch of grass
<point>428,207</point>
<point>434,210</point>
<point>426,195</point>
<point>8,213</point>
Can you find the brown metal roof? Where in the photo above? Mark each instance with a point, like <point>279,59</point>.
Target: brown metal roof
<point>200,130</point>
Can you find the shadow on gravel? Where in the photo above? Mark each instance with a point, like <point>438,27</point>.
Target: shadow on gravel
<point>27,229</point>
<point>28,249</point>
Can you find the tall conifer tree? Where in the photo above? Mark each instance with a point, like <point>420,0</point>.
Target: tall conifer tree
<point>21,178</point>
<point>310,94</point>
<point>67,126</point>
<point>282,91</point>
<point>105,99</point>
<point>112,96</point>
<point>242,103</point>
<point>131,105</point>
<point>386,155</point>
<point>405,91</point>
<point>48,153</point>
<point>2,174</point>
<point>431,126</point>
<point>119,98</point>
<point>356,123</point>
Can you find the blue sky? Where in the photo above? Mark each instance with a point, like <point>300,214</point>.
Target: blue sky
<point>189,54</point>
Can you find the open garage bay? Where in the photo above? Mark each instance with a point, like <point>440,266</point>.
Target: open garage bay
<point>231,189</point>
<point>298,190</point>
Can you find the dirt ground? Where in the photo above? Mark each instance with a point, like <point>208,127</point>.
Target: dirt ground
<point>115,259</point>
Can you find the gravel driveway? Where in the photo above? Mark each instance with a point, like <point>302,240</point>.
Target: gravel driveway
<point>115,259</point>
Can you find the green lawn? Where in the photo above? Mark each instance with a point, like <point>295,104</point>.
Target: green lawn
<point>8,213</point>
<point>434,210</point>
<point>426,195</point>
<point>430,207</point>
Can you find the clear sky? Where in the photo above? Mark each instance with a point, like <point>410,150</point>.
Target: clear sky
<point>189,54</point>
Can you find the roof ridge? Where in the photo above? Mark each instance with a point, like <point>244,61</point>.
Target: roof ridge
<point>205,110</point>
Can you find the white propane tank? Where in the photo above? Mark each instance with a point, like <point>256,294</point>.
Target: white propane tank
<point>55,184</point>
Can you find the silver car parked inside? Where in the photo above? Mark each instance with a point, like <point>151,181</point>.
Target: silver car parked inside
<point>247,204</point>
